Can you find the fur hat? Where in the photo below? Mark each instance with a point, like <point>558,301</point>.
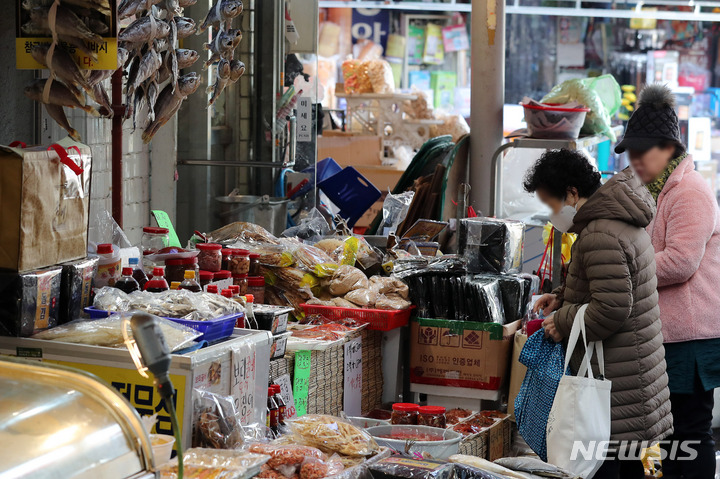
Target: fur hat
<point>653,122</point>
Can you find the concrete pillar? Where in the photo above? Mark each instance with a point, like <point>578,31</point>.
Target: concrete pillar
<point>488,96</point>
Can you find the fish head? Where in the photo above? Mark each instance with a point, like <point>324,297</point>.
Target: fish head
<point>225,41</point>
<point>34,89</point>
<point>163,28</point>
<point>238,67</point>
<point>187,56</point>
<point>231,8</point>
<point>236,36</point>
<point>122,56</point>
<point>38,14</point>
<point>39,51</point>
<point>188,83</point>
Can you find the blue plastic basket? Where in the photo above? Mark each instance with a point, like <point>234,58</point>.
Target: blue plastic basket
<point>212,329</point>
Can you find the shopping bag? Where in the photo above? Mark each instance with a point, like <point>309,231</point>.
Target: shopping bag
<point>545,360</point>
<point>517,370</point>
<point>580,415</point>
<point>45,198</point>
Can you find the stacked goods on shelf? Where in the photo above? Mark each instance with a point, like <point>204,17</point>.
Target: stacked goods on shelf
<point>282,366</point>
<point>372,385</point>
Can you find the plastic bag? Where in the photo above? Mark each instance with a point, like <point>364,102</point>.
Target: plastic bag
<point>312,227</point>
<point>313,468</point>
<point>380,75</point>
<point>406,468</point>
<point>216,421</point>
<point>285,460</point>
<point>314,260</point>
<point>390,285</point>
<point>391,302</point>
<point>104,229</point>
<point>453,125</point>
<point>602,95</point>
<point>108,332</point>
<point>202,463</point>
<point>333,434</point>
<point>363,297</point>
<point>420,108</point>
<point>346,279</point>
<point>395,209</point>
<point>355,77</point>
<point>490,245</point>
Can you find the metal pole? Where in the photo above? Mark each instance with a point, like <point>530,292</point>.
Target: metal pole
<point>488,96</point>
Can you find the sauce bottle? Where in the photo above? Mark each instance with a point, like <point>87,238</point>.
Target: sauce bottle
<point>174,285</point>
<point>226,293</point>
<point>250,320</point>
<point>137,272</point>
<point>190,284</point>
<point>157,284</point>
<point>127,283</point>
<point>280,402</point>
<point>212,289</point>
<point>272,412</point>
<point>235,290</point>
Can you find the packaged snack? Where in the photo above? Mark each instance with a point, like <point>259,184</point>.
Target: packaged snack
<point>406,468</point>
<point>355,77</point>
<point>364,298</point>
<point>381,76</point>
<point>76,287</point>
<point>346,279</point>
<point>216,422</point>
<point>29,302</point>
<point>202,463</point>
<point>334,435</point>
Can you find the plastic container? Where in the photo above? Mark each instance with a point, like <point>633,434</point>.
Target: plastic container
<point>433,416</point>
<point>241,280</point>
<point>256,287</point>
<point>377,319</point>
<point>206,277</point>
<point>127,283</point>
<point>438,449</point>
<point>210,256</point>
<point>189,282</point>
<point>404,414</point>
<point>162,446</point>
<point>279,344</point>
<point>239,262</point>
<point>554,122</point>
<point>271,318</point>
<point>153,240</point>
<point>109,265</point>
<point>157,284</point>
<point>212,329</point>
<point>254,264</point>
<point>226,255</point>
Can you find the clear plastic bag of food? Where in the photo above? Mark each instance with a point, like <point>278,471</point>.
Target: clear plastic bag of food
<point>108,332</point>
<point>216,423</point>
<point>391,302</point>
<point>348,252</point>
<point>381,76</point>
<point>453,125</point>
<point>313,468</point>
<point>334,435</point>
<point>398,467</point>
<point>242,231</point>
<point>346,279</point>
<point>285,460</point>
<point>363,297</point>
<point>395,209</point>
<point>314,260</point>
<point>202,463</point>
<point>419,108</point>
<point>390,285</point>
<point>491,245</point>
<point>355,77</point>
<point>312,227</point>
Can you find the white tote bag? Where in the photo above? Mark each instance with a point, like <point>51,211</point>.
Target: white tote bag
<point>579,420</point>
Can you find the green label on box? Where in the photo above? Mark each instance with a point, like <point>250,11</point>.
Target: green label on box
<point>29,352</point>
<point>302,378</point>
<point>163,221</point>
<point>458,327</point>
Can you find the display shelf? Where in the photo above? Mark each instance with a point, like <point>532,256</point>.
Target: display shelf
<point>377,96</point>
<point>451,397</point>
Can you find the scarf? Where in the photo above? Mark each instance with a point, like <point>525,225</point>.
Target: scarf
<point>657,185</point>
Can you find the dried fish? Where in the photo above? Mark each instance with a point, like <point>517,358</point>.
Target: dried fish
<point>144,30</point>
<point>186,58</point>
<point>62,65</point>
<point>223,77</point>
<point>97,76</point>
<point>132,74</point>
<point>79,43</point>
<point>59,94</point>
<point>57,113</point>
<point>237,69</point>
<point>100,96</point>
<point>222,46</point>
<point>151,97</point>
<point>186,26</point>
<point>223,11</point>
<point>148,66</point>
<point>187,3</point>
<point>67,23</point>
<point>30,4</point>
<point>128,8</point>
<point>101,6</point>
<point>173,8</point>
<point>96,26</point>
<point>172,56</point>
<point>138,100</point>
<point>35,30</point>
<point>168,103</point>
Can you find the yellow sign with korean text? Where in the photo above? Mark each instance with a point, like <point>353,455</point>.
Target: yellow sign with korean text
<point>106,54</point>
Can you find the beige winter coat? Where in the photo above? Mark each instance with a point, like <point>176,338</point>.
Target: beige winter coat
<point>613,269</point>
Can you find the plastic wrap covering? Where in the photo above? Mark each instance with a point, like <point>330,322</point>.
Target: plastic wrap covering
<point>179,304</point>
<point>29,302</point>
<point>203,463</point>
<point>516,202</point>
<point>216,423</point>
<point>395,209</point>
<point>406,468</point>
<point>513,293</point>
<point>108,332</point>
<point>491,245</point>
<point>311,228</point>
<point>470,472</point>
<point>241,231</point>
<point>287,461</point>
<point>77,280</point>
<point>334,435</point>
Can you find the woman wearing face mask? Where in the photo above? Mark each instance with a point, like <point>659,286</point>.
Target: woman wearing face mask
<point>613,271</point>
<point>686,237</point>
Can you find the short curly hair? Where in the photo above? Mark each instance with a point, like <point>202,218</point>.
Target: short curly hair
<point>559,170</point>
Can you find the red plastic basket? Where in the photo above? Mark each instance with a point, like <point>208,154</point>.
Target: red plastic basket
<point>378,319</point>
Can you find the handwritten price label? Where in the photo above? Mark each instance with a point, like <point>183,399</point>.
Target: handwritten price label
<point>353,377</point>
<point>287,394</point>
<point>242,385</point>
<point>302,378</point>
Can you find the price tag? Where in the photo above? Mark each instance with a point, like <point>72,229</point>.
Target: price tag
<point>302,378</point>
<point>287,394</point>
<point>163,221</point>
<point>353,377</point>
<point>304,119</point>
<point>242,382</point>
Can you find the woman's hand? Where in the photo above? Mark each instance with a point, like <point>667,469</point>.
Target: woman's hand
<point>550,331</point>
<point>548,303</point>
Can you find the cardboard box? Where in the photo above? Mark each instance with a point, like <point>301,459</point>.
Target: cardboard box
<point>44,205</point>
<point>462,354</point>
<point>349,150</point>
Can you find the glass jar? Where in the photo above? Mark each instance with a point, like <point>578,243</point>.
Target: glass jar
<point>256,287</point>
<point>226,254</point>
<point>254,269</point>
<point>433,416</point>
<point>206,277</point>
<point>404,413</point>
<point>239,262</point>
<point>154,239</point>
<point>241,280</point>
<point>191,264</point>
<point>210,256</point>
<point>174,270</point>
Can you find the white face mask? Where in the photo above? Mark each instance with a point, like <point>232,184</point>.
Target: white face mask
<point>563,221</point>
